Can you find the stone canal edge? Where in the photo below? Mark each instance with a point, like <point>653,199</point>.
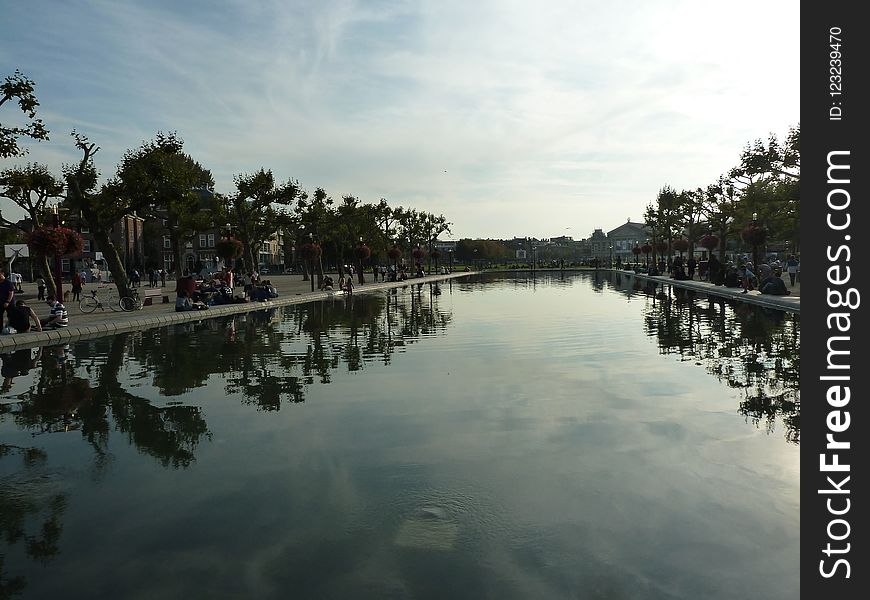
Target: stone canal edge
<point>137,321</point>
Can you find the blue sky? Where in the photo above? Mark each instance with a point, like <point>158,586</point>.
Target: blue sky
<point>511,118</point>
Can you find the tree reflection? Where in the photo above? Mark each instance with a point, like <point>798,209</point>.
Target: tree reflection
<point>30,513</point>
<point>265,357</point>
<point>59,400</point>
<point>747,347</point>
<point>267,362</point>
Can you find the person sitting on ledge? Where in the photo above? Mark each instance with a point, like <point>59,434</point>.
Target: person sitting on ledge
<point>184,303</point>
<point>20,315</point>
<point>732,277</point>
<point>58,317</point>
<point>775,286</point>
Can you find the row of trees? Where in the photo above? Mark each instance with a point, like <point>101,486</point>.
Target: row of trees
<point>756,200</point>
<point>159,180</point>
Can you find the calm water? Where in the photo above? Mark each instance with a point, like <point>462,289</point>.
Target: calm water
<point>494,438</point>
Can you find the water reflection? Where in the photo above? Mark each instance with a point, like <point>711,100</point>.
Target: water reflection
<point>368,479</point>
<point>751,348</point>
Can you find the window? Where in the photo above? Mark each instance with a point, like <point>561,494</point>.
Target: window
<point>202,240</point>
<point>211,240</point>
<point>166,243</point>
<point>64,265</point>
<point>86,230</point>
<point>87,246</point>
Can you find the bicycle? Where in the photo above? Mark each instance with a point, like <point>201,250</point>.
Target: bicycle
<point>89,304</point>
<point>131,302</point>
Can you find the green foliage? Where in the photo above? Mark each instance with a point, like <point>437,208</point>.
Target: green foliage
<point>252,209</point>
<point>468,250</point>
<point>29,187</point>
<point>20,88</point>
<point>160,180</point>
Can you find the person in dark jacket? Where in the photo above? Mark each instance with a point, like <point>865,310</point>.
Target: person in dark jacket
<point>775,286</point>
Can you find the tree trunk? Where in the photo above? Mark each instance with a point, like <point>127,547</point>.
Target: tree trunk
<point>113,258</point>
<point>362,278</point>
<point>48,275</point>
<point>248,262</point>
<point>319,269</point>
<point>175,248</point>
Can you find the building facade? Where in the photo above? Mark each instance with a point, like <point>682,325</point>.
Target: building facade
<point>625,237</point>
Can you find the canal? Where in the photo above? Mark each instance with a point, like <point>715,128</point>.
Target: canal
<point>497,437</point>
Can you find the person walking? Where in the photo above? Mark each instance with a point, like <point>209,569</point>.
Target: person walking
<point>690,267</point>
<point>40,289</point>
<point>162,277</point>
<point>76,287</point>
<point>792,266</point>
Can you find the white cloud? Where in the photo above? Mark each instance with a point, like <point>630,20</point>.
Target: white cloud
<point>588,108</point>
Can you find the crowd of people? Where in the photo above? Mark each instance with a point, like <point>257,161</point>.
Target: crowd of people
<point>767,278</point>
<point>219,289</point>
<point>16,316</point>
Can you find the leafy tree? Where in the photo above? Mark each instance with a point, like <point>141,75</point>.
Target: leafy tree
<point>17,86</point>
<point>719,208</point>
<point>100,207</point>
<point>691,212</point>
<point>768,179</point>
<point>252,213</point>
<point>493,250</point>
<point>315,217</point>
<point>31,188</point>
<point>387,220</point>
<point>433,227</point>
<point>669,208</point>
<point>163,180</point>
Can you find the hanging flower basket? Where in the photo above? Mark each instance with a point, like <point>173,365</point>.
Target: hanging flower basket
<point>55,241</point>
<point>662,247</point>
<point>636,250</point>
<point>710,242</point>
<point>754,235</point>
<point>646,248</point>
<point>395,252</point>
<point>310,250</point>
<point>363,252</point>
<point>436,254</point>
<point>681,245</point>
<point>228,249</point>
<point>418,253</point>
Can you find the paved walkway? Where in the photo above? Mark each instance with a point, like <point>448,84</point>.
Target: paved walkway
<point>291,288</point>
<point>790,303</point>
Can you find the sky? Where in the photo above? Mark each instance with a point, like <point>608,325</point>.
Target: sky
<point>510,118</point>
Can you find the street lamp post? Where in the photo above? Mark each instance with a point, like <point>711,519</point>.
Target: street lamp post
<point>58,271</point>
<point>311,261</point>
